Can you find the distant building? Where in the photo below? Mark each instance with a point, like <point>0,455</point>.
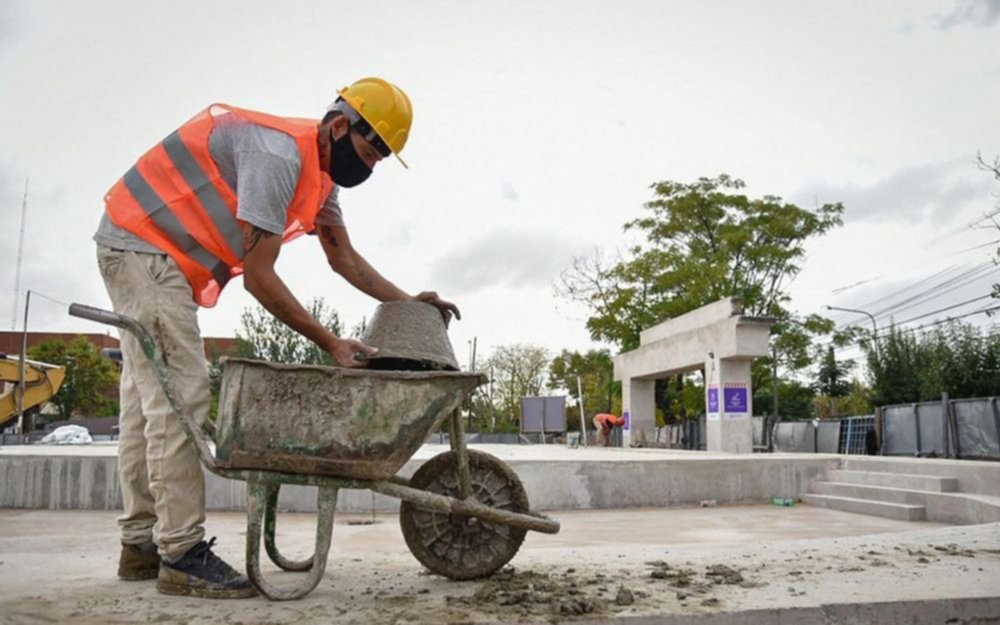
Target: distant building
<point>10,342</point>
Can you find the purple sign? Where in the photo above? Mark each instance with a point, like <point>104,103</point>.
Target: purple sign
<point>713,399</point>
<point>736,399</point>
<point>627,419</point>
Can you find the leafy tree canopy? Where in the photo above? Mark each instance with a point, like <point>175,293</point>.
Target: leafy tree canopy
<point>90,378</point>
<point>595,370</point>
<point>704,241</point>
<point>264,337</point>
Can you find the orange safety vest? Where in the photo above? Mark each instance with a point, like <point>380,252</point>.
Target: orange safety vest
<point>608,420</point>
<point>175,198</point>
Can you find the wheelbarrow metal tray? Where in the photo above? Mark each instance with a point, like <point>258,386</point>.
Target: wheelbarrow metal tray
<point>351,423</point>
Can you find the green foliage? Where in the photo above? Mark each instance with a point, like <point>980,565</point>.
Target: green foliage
<point>958,359</point>
<point>596,372</point>
<point>704,241</point>
<point>855,403</point>
<point>517,371</point>
<point>795,400</point>
<point>832,377</point>
<point>264,337</point>
<point>90,378</point>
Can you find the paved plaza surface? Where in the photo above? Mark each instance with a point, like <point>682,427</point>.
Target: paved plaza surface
<point>727,564</point>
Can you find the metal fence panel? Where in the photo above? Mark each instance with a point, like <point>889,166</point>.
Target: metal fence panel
<point>758,431</point>
<point>899,431</point>
<point>551,409</point>
<point>795,436</point>
<point>854,432</point>
<point>976,426</point>
<point>828,436</point>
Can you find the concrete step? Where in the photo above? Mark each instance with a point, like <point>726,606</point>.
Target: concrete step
<point>932,483</point>
<point>898,511</point>
<point>865,491</point>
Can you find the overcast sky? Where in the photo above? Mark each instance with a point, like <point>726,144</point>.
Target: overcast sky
<point>538,128</point>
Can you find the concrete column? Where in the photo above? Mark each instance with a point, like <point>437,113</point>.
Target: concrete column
<point>729,405</point>
<point>639,410</point>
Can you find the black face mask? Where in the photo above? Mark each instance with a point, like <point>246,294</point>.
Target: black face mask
<point>346,167</point>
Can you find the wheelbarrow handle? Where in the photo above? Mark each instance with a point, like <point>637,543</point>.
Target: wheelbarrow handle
<point>114,319</point>
<point>195,434</point>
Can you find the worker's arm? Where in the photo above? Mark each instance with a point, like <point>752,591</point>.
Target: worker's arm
<point>261,251</point>
<point>346,261</point>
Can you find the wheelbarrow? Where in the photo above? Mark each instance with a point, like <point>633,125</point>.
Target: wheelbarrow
<point>464,513</point>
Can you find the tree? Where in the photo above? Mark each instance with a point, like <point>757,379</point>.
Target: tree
<point>596,372</point>
<point>704,241</point>
<point>517,371</point>
<point>90,378</point>
<point>993,168</point>
<point>264,337</point>
<point>831,379</point>
<point>958,359</point>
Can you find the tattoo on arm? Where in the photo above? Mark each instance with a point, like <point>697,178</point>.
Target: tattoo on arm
<point>363,274</point>
<point>327,233</point>
<point>256,235</point>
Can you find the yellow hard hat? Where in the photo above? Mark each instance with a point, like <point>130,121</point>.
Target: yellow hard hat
<point>384,110</point>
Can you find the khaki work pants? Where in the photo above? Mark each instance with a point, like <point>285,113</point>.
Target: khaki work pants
<point>163,487</point>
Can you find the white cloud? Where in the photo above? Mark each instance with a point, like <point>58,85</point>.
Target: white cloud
<point>510,258</point>
<point>977,13</point>
<point>939,192</point>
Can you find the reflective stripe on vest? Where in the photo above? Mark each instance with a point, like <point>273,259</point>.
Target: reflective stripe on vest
<point>176,199</point>
<point>196,178</point>
<point>157,210</point>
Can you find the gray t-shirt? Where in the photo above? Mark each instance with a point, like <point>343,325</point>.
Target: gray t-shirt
<point>261,165</point>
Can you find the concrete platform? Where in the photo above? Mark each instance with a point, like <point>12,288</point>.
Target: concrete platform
<point>556,478</point>
<point>750,565</point>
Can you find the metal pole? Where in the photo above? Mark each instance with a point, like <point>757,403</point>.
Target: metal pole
<point>20,375</point>
<point>870,316</point>
<point>583,422</point>
<point>20,256</point>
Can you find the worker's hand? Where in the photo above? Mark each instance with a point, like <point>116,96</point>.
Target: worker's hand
<point>350,353</point>
<point>447,308</point>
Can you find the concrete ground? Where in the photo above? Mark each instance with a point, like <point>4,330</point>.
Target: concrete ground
<point>730,564</point>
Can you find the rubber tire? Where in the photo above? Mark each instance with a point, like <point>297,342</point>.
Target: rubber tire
<point>493,484</point>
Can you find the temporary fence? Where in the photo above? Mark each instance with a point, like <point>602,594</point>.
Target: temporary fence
<point>847,435</point>
<point>959,428</point>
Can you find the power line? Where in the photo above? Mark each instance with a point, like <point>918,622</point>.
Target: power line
<point>946,308</point>
<point>938,322</point>
<point>936,292</point>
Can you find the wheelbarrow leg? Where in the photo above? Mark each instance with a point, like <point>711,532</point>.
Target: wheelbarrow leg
<point>457,437</point>
<point>257,496</point>
<point>270,520</point>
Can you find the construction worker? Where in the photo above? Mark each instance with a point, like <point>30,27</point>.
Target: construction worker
<point>217,198</point>
<point>604,423</point>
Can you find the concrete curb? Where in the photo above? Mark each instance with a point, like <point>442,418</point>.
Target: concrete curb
<point>959,611</point>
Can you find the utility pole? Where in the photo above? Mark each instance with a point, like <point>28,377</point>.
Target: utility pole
<point>774,397</point>
<point>870,316</point>
<point>583,423</point>
<point>472,368</point>
<point>20,375</point>
<point>20,255</point>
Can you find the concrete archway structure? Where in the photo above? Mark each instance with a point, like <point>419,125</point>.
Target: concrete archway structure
<point>717,337</point>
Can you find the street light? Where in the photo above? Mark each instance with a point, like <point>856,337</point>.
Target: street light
<point>861,312</point>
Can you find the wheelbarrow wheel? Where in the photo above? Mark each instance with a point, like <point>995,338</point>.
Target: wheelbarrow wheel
<point>461,547</point>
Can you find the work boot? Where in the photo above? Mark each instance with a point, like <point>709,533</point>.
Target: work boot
<point>138,562</point>
<point>201,573</point>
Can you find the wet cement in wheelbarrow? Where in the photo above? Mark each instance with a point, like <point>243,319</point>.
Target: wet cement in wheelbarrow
<point>604,565</point>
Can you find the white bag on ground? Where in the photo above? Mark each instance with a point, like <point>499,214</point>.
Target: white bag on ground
<point>68,435</point>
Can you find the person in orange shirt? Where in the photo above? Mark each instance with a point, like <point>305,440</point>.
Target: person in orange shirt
<point>604,422</point>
